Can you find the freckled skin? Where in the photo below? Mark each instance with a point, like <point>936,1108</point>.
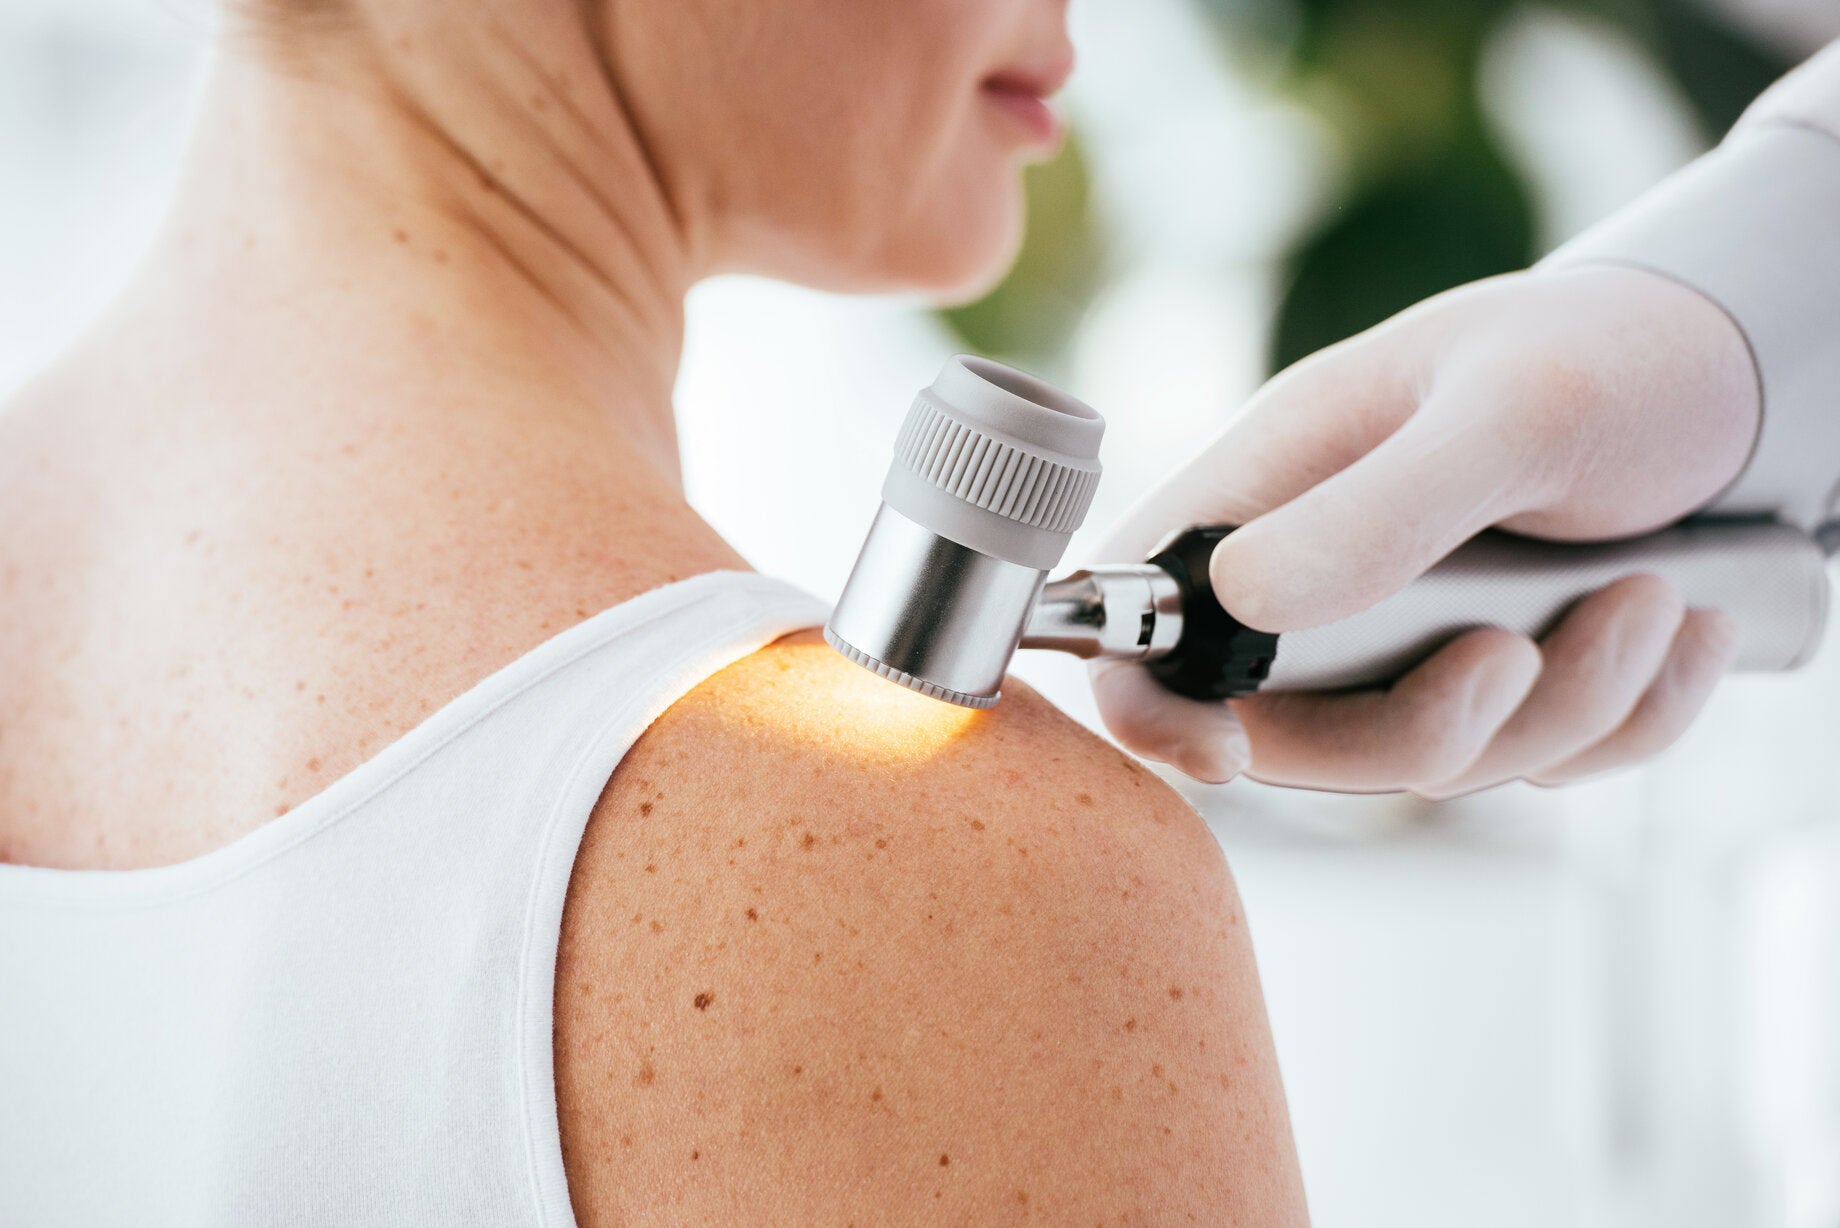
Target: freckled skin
<point>873,1026</point>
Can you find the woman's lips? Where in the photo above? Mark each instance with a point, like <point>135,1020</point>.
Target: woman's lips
<point>1027,108</point>
<point>1021,91</point>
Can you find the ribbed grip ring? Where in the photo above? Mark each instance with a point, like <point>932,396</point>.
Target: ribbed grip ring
<point>992,473</point>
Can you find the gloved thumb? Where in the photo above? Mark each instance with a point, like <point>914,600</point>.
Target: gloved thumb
<point>1367,531</point>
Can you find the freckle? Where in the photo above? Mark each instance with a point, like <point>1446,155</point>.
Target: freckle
<point>944,1160</point>
<point>977,825</point>
<point>809,840</point>
<point>741,842</point>
<point>645,807</point>
<point>637,917</point>
<point>1173,1089</point>
<point>752,915</point>
<point>625,1140</point>
<point>703,1000</point>
<point>695,1154</point>
<point>817,956</point>
<point>1117,1092</point>
<point>876,1094</point>
<point>1085,799</point>
<point>880,843</point>
<point>651,868</point>
<point>1130,1025</point>
<point>1156,1070</point>
<point>320,699</point>
<point>280,810</point>
<point>657,926</point>
<point>1022,851</point>
<point>1022,1196</point>
<point>658,796</point>
<point>798,1070</point>
<point>1226,1084</point>
<point>301,685</point>
<point>645,1076</point>
<point>400,235</point>
<point>440,257</point>
<point>1175,991</point>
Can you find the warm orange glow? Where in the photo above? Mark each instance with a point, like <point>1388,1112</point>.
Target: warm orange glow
<point>891,720</point>
<point>839,705</point>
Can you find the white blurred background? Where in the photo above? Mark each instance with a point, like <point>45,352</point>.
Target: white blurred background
<point>1617,1004</point>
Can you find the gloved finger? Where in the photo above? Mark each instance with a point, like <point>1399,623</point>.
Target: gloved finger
<point>1432,722</point>
<point>1202,740</point>
<point>1309,421</point>
<point>1366,532</point>
<point>1600,659</point>
<point>1703,650</point>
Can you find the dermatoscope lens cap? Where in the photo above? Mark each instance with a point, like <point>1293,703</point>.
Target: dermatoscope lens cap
<point>997,461</point>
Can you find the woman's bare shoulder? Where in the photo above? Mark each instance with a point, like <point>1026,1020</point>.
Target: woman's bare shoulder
<point>835,951</point>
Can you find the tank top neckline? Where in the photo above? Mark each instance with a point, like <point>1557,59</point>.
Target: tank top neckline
<point>147,884</point>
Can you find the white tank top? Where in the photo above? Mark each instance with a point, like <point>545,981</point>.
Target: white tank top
<point>344,1017</point>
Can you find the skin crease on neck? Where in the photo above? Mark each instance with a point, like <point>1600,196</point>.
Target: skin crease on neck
<point>386,406</point>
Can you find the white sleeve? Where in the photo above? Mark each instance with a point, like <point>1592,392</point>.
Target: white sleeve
<point>1754,226</point>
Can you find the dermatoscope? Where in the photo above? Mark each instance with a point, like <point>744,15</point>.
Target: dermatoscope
<point>994,469</point>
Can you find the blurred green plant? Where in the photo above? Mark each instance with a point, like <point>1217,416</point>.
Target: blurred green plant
<point>1429,197</point>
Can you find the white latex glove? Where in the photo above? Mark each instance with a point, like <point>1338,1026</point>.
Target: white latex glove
<point>1575,404</point>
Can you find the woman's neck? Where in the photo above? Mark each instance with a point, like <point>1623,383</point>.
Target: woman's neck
<point>454,231</point>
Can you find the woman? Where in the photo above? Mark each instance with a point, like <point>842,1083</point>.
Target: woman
<point>345,563</point>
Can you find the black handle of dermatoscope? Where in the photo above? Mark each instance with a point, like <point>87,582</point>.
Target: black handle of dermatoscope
<point>1770,577</point>
<point>1217,656</point>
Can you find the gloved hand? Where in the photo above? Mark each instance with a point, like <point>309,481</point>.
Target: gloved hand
<point>1576,404</point>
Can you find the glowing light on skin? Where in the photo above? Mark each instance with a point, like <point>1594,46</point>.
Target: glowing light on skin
<point>801,688</point>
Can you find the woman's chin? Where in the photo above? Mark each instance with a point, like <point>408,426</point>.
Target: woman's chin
<point>966,268</point>
<point>946,260</point>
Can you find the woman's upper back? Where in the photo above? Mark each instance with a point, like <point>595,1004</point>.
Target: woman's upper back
<point>344,1015</point>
